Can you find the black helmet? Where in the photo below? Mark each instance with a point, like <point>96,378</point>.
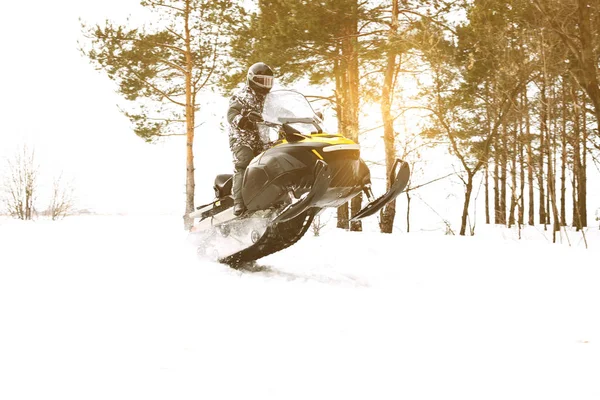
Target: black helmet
<point>260,78</point>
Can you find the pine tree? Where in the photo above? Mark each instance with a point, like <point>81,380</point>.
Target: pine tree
<point>324,41</point>
<point>476,83</point>
<point>161,70</point>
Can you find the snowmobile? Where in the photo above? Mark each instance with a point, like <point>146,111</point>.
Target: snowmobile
<point>303,171</point>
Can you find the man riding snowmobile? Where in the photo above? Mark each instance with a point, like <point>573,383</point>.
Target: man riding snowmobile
<point>288,171</point>
<point>245,108</point>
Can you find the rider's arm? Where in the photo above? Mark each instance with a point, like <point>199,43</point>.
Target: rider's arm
<point>235,115</point>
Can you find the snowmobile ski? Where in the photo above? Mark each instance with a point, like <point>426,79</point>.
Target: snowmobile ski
<point>399,181</point>
<point>214,208</point>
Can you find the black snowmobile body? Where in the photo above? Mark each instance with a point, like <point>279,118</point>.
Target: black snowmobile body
<point>303,172</point>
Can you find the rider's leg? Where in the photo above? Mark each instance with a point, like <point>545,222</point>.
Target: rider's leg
<point>242,155</point>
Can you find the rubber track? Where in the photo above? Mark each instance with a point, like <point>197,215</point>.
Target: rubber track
<point>276,238</point>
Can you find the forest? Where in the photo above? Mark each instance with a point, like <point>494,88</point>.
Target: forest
<point>510,88</point>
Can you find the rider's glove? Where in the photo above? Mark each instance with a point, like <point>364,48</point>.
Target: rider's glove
<point>249,120</point>
<point>253,116</point>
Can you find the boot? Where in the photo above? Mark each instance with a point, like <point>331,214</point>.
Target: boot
<point>238,209</point>
<point>238,201</point>
<point>242,157</point>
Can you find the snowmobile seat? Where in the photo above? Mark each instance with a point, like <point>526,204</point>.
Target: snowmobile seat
<point>223,185</point>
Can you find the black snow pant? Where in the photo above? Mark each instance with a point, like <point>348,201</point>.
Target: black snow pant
<point>242,155</point>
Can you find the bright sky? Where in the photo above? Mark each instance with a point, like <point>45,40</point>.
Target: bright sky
<point>54,100</point>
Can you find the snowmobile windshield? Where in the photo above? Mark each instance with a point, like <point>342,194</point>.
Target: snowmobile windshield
<point>288,106</point>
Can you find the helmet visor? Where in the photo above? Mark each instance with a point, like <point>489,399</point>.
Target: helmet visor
<point>265,81</point>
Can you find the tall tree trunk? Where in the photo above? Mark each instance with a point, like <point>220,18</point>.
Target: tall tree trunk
<point>343,219</point>
<point>551,141</point>
<point>521,184</point>
<point>550,193</point>
<point>350,90</point>
<point>543,131</point>
<point>513,180</point>
<point>407,211</point>
<point>497,216</point>
<point>521,165</point>
<point>530,161</point>
<point>582,195</point>
<point>563,160</point>
<point>388,214</point>
<point>503,173</point>
<point>468,193</point>
<point>552,196</point>
<point>487,194</point>
<point>487,164</point>
<point>576,143</point>
<point>190,184</point>
<point>350,48</point>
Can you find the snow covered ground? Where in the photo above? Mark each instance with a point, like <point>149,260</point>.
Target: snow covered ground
<point>120,308</point>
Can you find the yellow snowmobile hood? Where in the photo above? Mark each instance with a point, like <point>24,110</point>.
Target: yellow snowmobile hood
<point>322,138</point>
